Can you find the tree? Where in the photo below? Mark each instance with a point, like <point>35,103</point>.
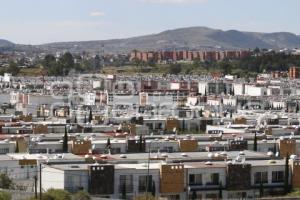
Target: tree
<point>66,63</point>
<point>81,195</point>
<point>286,175</point>
<point>97,62</point>
<point>141,143</point>
<point>255,143</point>
<point>75,120</point>
<point>175,68</point>
<point>90,115</point>
<point>108,144</point>
<point>17,147</point>
<point>13,68</point>
<point>65,141</point>
<point>5,195</point>
<point>51,65</point>
<point>84,119</point>
<point>5,181</point>
<point>201,113</point>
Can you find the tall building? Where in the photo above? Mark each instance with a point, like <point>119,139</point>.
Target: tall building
<point>294,72</point>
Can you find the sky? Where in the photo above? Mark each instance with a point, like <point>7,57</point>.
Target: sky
<point>44,21</point>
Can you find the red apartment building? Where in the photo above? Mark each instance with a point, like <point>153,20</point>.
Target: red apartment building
<point>161,56</point>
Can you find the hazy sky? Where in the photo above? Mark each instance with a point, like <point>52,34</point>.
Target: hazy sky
<point>42,21</point>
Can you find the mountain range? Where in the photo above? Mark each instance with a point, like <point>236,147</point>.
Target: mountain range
<point>192,38</point>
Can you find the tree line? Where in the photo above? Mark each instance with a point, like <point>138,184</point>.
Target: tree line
<point>67,62</point>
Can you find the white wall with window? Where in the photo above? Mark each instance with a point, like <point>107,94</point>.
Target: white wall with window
<point>271,174</point>
<point>134,178</point>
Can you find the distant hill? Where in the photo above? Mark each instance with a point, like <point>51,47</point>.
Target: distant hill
<point>193,38</point>
<point>185,38</point>
<point>6,45</point>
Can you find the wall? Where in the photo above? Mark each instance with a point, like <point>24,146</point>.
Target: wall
<point>101,179</point>
<point>81,147</point>
<point>287,146</point>
<point>172,178</point>
<point>188,145</point>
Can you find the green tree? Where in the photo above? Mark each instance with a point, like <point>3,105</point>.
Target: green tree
<point>66,63</point>
<point>50,64</point>
<point>108,144</point>
<point>65,141</point>
<point>5,181</point>
<point>81,195</point>
<point>255,143</point>
<point>201,113</point>
<point>97,62</point>
<point>75,120</point>
<point>286,175</point>
<point>5,195</point>
<point>85,119</point>
<point>49,61</point>
<point>175,68</point>
<point>90,115</point>
<point>13,68</point>
<point>17,147</point>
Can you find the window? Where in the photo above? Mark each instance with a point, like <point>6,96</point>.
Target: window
<point>195,179</point>
<point>277,176</point>
<point>4,150</point>
<point>214,179</point>
<point>261,177</point>
<point>167,149</point>
<point>143,182</point>
<point>126,180</point>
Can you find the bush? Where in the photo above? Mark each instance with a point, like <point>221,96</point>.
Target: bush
<point>56,194</point>
<point>5,195</point>
<point>5,181</point>
<point>145,197</point>
<point>81,195</point>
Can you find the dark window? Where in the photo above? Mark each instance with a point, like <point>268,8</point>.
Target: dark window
<point>214,179</point>
<point>195,179</point>
<point>143,182</point>
<point>277,176</point>
<point>128,181</point>
<point>261,177</point>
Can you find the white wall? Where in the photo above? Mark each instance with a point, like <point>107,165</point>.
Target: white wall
<point>239,88</point>
<point>202,86</point>
<point>52,178</point>
<point>252,90</point>
<point>136,173</point>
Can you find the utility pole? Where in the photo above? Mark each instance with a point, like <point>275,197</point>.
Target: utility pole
<point>35,187</point>
<point>40,181</point>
